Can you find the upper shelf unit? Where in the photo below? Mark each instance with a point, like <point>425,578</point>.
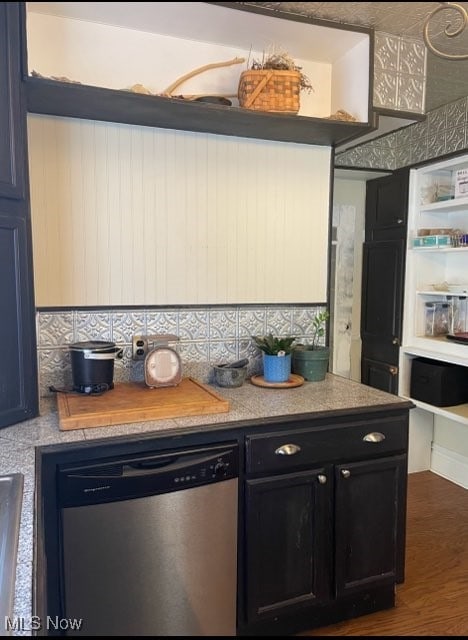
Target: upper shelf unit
<point>104,49</point>
<point>95,103</point>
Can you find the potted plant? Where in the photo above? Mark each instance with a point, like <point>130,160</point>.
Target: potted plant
<point>273,83</point>
<point>311,360</point>
<point>276,356</point>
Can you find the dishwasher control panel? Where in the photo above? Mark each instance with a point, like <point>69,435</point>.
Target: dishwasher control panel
<point>148,474</point>
<point>211,470</point>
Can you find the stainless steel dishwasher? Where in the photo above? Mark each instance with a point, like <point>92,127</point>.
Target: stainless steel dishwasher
<point>149,544</point>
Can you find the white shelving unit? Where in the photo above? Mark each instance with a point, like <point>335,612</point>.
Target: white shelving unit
<point>426,269</point>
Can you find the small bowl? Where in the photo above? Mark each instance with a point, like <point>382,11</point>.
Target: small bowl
<point>229,377</point>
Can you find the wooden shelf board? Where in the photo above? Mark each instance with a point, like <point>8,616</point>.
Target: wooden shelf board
<point>51,97</point>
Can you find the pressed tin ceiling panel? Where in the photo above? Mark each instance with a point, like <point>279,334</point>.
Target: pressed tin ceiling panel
<point>447,80</point>
<point>399,18</point>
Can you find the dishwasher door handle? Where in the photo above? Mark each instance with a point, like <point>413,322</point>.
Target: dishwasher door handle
<point>173,464</point>
<point>155,465</point>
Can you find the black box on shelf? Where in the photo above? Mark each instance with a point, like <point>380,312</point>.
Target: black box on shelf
<point>438,383</point>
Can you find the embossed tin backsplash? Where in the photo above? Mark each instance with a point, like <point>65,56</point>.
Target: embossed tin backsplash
<point>208,335</point>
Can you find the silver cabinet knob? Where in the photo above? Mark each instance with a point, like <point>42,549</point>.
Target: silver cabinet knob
<point>395,340</point>
<point>399,220</point>
<point>345,473</point>
<point>288,450</point>
<point>375,436</point>
<point>322,479</point>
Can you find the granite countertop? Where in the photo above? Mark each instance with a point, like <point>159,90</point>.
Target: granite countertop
<point>247,403</point>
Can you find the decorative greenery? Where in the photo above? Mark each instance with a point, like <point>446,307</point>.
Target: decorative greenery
<point>318,328</point>
<point>282,61</point>
<point>318,331</point>
<point>272,345</point>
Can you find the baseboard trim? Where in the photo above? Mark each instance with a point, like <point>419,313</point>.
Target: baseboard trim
<point>450,465</point>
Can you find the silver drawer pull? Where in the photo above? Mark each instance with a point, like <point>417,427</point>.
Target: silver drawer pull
<point>345,473</point>
<point>375,436</point>
<point>288,450</point>
<point>322,479</point>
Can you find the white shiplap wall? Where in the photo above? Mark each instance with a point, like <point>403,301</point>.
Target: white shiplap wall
<point>140,216</point>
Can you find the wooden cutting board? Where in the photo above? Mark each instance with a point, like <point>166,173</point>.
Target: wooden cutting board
<point>135,402</point>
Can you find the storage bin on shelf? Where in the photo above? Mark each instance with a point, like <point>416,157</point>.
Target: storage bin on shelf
<point>438,383</point>
<point>421,242</point>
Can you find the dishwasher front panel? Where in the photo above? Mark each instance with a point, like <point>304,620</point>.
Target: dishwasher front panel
<point>160,565</point>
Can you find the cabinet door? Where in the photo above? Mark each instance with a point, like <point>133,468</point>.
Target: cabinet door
<point>18,368</point>
<point>288,542</point>
<point>379,375</point>
<point>387,206</point>
<point>11,124</point>
<point>369,523</point>
<point>382,300</point>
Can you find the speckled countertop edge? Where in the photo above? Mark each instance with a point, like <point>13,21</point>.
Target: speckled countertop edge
<point>249,403</point>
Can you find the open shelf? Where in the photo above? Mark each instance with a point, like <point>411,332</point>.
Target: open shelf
<point>440,249</point>
<point>72,100</point>
<point>456,204</point>
<point>107,49</point>
<point>458,413</point>
<point>446,294</point>
<point>438,349</point>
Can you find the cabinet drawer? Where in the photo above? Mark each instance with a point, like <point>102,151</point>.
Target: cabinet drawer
<point>298,448</point>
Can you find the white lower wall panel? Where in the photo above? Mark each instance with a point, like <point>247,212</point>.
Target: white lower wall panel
<point>450,465</point>
<point>421,430</point>
<point>126,215</point>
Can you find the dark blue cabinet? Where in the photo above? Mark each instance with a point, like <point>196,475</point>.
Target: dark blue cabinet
<point>18,360</point>
<point>12,157</point>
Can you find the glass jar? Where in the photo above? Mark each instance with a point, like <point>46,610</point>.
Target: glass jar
<point>437,321</point>
<point>458,314</point>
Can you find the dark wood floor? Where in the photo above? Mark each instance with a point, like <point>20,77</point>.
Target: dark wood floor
<point>433,601</point>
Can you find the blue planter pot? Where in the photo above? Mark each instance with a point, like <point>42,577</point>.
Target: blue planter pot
<point>276,368</point>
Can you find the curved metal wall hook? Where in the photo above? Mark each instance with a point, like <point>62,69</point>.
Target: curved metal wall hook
<point>448,31</point>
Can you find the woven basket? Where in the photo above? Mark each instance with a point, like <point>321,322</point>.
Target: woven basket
<point>270,90</point>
